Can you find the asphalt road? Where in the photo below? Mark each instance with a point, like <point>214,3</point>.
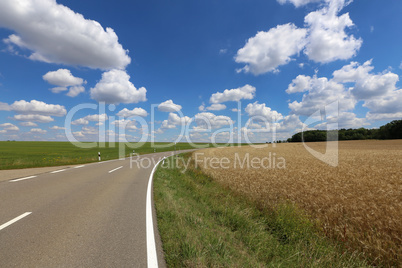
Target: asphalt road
<point>92,215</point>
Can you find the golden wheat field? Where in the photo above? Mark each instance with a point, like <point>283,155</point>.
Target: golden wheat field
<point>358,202</point>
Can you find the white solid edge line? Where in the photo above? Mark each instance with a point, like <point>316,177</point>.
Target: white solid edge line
<point>14,220</point>
<point>57,171</point>
<point>151,247</point>
<point>22,179</point>
<point>115,169</point>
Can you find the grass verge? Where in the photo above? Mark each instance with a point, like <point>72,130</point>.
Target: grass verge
<point>203,224</point>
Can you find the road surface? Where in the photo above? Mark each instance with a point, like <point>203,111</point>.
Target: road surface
<point>92,215</point>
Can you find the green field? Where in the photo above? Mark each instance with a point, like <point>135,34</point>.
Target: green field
<point>21,154</point>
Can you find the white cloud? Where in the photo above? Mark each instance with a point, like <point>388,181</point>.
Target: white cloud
<point>323,39</point>
<point>115,87</point>
<point>367,85</point>
<point>200,136</point>
<point>36,111</point>
<point>174,120</point>
<point>375,86</point>
<point>33,118</point>
<point>353,72</point>
<point>80,121</point>
<point>263,127</point>
<point>75,91</point>
<point>377,91</point>
<point>134,112</point>
<point>57,90</point>
<point>78,134</point>
<point>209,120</point>
<point>327,39</point>
<point>268,50</point>
<point>384,116</point>
<point>216,107</point>
<point>177,120</point>
<point>386,107</point>
<point>126,124</point>
<point>28,124</point>
<point>298,3</point>
<point>165,125</point>
<point>168,106</point>
<point>246,92</point>
<point>4,106</point>
<point>300,84</point>
<point>38,131</point>
<point>348,120</point>
<point>89,130</point>
<point>94,118</point>
<point>56,34</point>
<point>321,92</point>
<point>290,123</point>
<point>57,128</point>
<point>37,107</point>
<point>261,112</point>
<point>227,136</point>
<point>62,78</point>
<point>343,120</point>
<point>9,127</point>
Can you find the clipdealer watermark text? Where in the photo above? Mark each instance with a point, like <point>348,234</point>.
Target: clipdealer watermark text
<point>270,161</point>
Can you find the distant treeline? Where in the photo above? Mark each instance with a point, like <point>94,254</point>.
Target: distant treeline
<point>392,130</point>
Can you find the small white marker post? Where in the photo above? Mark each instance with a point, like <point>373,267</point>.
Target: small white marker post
<point>99,156</point>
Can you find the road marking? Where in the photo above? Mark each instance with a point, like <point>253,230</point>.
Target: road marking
<point>151,247</point>
<point>80,166</point>
<point>57,171</point>
<point>115,169</point>
<point>22,179</point>
<point>14,220</point>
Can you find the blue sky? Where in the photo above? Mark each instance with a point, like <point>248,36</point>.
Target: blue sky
<point>182,67</point>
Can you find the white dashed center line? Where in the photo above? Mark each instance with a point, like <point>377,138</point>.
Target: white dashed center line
<point>22,179</point>
<point>14,220</point>
<point>80,166</point>
<point>57,171</point>
<point>115,169</point>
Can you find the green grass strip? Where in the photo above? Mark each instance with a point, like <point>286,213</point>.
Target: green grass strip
<point>202,224</point>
